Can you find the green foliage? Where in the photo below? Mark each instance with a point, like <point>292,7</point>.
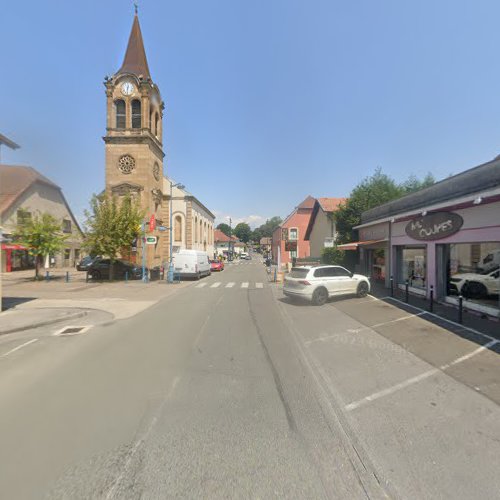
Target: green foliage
<point>225,228</point>
<point>332,255</point>
<point>243,232</point>
<point>41,234</point>
<point>369,193</point>
<point>266,230</point>
<point>112,225</point>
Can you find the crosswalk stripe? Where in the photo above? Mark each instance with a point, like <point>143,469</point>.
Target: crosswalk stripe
<point>244,284</point>
<point>230,285</point>
<point>215,285</point>
<point>200,285</point>
<point>259,285</point>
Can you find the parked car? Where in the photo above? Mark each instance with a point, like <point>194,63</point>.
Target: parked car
<point>318,283</point>
<point>216,265</point>
<point>100,268</point>
<point>191,264</point>
<point>85,263</point>
<point>476,285</point>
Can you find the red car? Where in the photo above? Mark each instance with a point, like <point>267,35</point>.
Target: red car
<point>216,265</point>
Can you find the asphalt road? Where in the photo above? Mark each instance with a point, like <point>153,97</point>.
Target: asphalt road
<point>227,390</point>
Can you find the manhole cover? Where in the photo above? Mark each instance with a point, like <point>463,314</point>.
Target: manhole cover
<point>72,330</point>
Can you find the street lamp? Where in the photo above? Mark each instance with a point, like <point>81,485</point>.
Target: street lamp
<point>170,274</point>
<point>230,253</point>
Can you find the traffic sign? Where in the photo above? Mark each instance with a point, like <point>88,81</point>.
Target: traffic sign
<point>151,240</point>
<point>161,228</point>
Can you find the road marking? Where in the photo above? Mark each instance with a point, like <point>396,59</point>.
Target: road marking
<point>259,285</point>
<point>200,285</point>
<point>19,347</point>
<point>244,284</point>
<point>230,285</point>
<point>216,284</point>
<point>418,378</point>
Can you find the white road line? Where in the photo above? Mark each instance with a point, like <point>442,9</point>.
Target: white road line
<point>259,285</point>
<point>244,284</point>
<point>200,285</point>
<point>418,378</point>
<point>216,284</point>
<point>19,347</point>
<point>230,285</point>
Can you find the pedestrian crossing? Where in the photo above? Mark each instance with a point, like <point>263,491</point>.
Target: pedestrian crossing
<point>230,284</point>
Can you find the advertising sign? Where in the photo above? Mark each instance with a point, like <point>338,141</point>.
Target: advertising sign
<point>290,246</point>
<point>434,226</point>
<point>150,240</point>
<point>284,233</point>
<point>152,223</point>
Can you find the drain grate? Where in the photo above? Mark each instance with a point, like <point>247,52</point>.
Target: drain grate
<point>72,330</point>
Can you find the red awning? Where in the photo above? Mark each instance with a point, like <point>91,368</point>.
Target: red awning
<point>355,244</point>
<point>12,246</point>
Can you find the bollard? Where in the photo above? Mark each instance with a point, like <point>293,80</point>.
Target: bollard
<point>47,276</point>
<point>407,293</point>
<point>460,309</point>
<point>275,276</point>
<point>392,286</point>
<point>431,299</point>
<point>126,276</point>
<point>87,277</point>
<point>67,276</point>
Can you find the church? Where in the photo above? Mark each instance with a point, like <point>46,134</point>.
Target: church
<point>134,160</point>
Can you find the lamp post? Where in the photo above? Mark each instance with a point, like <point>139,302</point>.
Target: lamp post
<point>230,253</point>
<point>170,274</point>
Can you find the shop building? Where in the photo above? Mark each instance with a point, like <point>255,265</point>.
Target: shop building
<point>445,237</point>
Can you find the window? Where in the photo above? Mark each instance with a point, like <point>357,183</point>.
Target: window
<point>157,118</point>
<point>293,234</point>
<point>196,230</point>
<point>120,114</point>
<point>23,217</point>
<point>178,228</point>
<point>301,272</point>
<point>340,271</point>
<point>67,253</point>
<point>136,113</point>
<point>412,267</point>
<point>66,226</point>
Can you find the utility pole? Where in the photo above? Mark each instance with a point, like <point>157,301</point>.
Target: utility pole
<point>230,253</point>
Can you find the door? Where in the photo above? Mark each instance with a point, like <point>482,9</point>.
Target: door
<point>344,282</point>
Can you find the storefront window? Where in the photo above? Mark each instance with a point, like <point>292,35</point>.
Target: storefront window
<point>413,266</point>
<point>474,272</point>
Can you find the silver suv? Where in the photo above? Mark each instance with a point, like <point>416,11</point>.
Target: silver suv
<point>320,282</point>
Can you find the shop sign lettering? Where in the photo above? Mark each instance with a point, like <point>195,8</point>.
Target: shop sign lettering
<point>434,226</point>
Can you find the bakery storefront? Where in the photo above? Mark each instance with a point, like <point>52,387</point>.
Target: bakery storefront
<point>447,238</point>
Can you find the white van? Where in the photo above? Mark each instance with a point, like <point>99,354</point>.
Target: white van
<point>191,264</point>
<point>490,262</point>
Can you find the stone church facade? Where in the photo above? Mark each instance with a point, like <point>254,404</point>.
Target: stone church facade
<point>134,158</point>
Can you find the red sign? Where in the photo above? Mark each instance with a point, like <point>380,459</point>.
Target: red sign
<point>152,223</point>
<point>290,246</point>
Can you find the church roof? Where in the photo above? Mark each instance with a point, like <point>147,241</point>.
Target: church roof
<point>135,60</point>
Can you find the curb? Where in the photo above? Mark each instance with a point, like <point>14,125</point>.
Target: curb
<point>45,323</point>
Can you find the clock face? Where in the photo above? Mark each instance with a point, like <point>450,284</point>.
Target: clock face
<point>127,88</point>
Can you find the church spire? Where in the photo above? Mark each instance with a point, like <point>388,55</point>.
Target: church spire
<point>135,61</point>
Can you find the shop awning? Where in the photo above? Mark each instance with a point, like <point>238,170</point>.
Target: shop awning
<point>355,244</point>
<point>12,246</point>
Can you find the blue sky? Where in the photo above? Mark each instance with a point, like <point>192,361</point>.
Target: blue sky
<point>266,101</point>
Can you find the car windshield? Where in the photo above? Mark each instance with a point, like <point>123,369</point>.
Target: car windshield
<point>299,272</point>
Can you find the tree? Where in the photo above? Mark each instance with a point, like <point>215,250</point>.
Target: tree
<point>225,228</point>
<point>266,230</point>
<point>413,184</point>
<point>243,232</point>
<point>332,255</point>
<point>41,234</point>
<point>112,225</point>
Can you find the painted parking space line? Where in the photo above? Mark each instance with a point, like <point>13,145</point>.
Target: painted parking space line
<point>244,284</point>
<point>230,284</point>
<point>259,285</point>
<point>19,347</point>
<point>414,380</point>
<point>216,284</point>
<point>200,285</point>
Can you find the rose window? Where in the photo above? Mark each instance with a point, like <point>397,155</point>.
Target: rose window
<point>156,171</point>
<point>126,164</point>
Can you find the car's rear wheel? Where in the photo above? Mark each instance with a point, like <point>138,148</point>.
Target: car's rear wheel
<point>320,296</point>
<point>362,290</point>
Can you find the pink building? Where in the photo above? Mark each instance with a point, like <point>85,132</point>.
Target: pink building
<point>294,227</point>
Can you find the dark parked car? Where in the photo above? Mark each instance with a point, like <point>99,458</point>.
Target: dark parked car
<point>99,269</point>
<point>85,263</point>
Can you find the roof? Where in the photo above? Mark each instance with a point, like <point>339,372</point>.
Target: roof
<point>5,141</point>
<point>331,204</point>
<point>308,203</point>
<point>474,180</point>
<point>15,180</point>
<point>328,205</point>
<point>135,60</point>
<point>220,236</point>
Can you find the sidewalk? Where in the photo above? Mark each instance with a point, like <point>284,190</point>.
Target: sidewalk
<point>442,313</point>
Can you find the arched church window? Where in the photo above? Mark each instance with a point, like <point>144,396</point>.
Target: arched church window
<point>157,119</point>
<point>178,228</point>
<point>152,122</point>
<point>120,113</point>
<point>136,113</point>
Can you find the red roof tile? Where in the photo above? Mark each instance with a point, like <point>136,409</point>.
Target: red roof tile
<point>330,204</point>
